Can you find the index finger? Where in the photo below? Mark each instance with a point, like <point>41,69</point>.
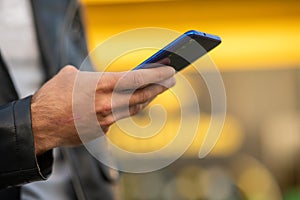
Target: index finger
<point>136,78</point>
<point>142,77</point>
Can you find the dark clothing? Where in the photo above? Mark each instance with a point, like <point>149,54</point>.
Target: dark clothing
<point>61,41</point>
<point>19,163</point>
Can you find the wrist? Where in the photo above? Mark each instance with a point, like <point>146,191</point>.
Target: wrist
<point>40,128</point>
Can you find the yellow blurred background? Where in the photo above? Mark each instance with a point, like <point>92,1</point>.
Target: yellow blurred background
<point>255,34</point>
<point>258,154</point>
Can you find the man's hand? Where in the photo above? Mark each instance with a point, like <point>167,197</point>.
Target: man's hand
<point>118,95</point>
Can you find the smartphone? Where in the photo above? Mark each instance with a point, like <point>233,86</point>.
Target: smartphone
<point>184,50</point>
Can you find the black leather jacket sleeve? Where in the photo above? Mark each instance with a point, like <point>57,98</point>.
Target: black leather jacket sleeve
<point>19,164</point>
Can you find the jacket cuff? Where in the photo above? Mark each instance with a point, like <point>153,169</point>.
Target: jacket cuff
<point>24,166</point>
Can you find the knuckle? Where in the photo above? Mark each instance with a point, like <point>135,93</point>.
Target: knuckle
<point>145,96</point>
<point>105,124</point>
<point>113,80</point>
<point>160,74</point>
<point>138,79</point>
<point>104,108</point>
<point>107,81</point>
<point>69,69</point>
<point>103,84</point>
<point>105,121</point>
<point>108,122</point>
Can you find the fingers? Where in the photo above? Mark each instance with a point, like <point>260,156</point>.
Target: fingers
<point>120,95</point>
<point>151,91</point>
<point>142,77</point>
<point>121,113</point>
<point>134,79</point>
<point>121,100</point>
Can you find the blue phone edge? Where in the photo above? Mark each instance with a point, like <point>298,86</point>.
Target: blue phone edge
<point>190,33</point>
